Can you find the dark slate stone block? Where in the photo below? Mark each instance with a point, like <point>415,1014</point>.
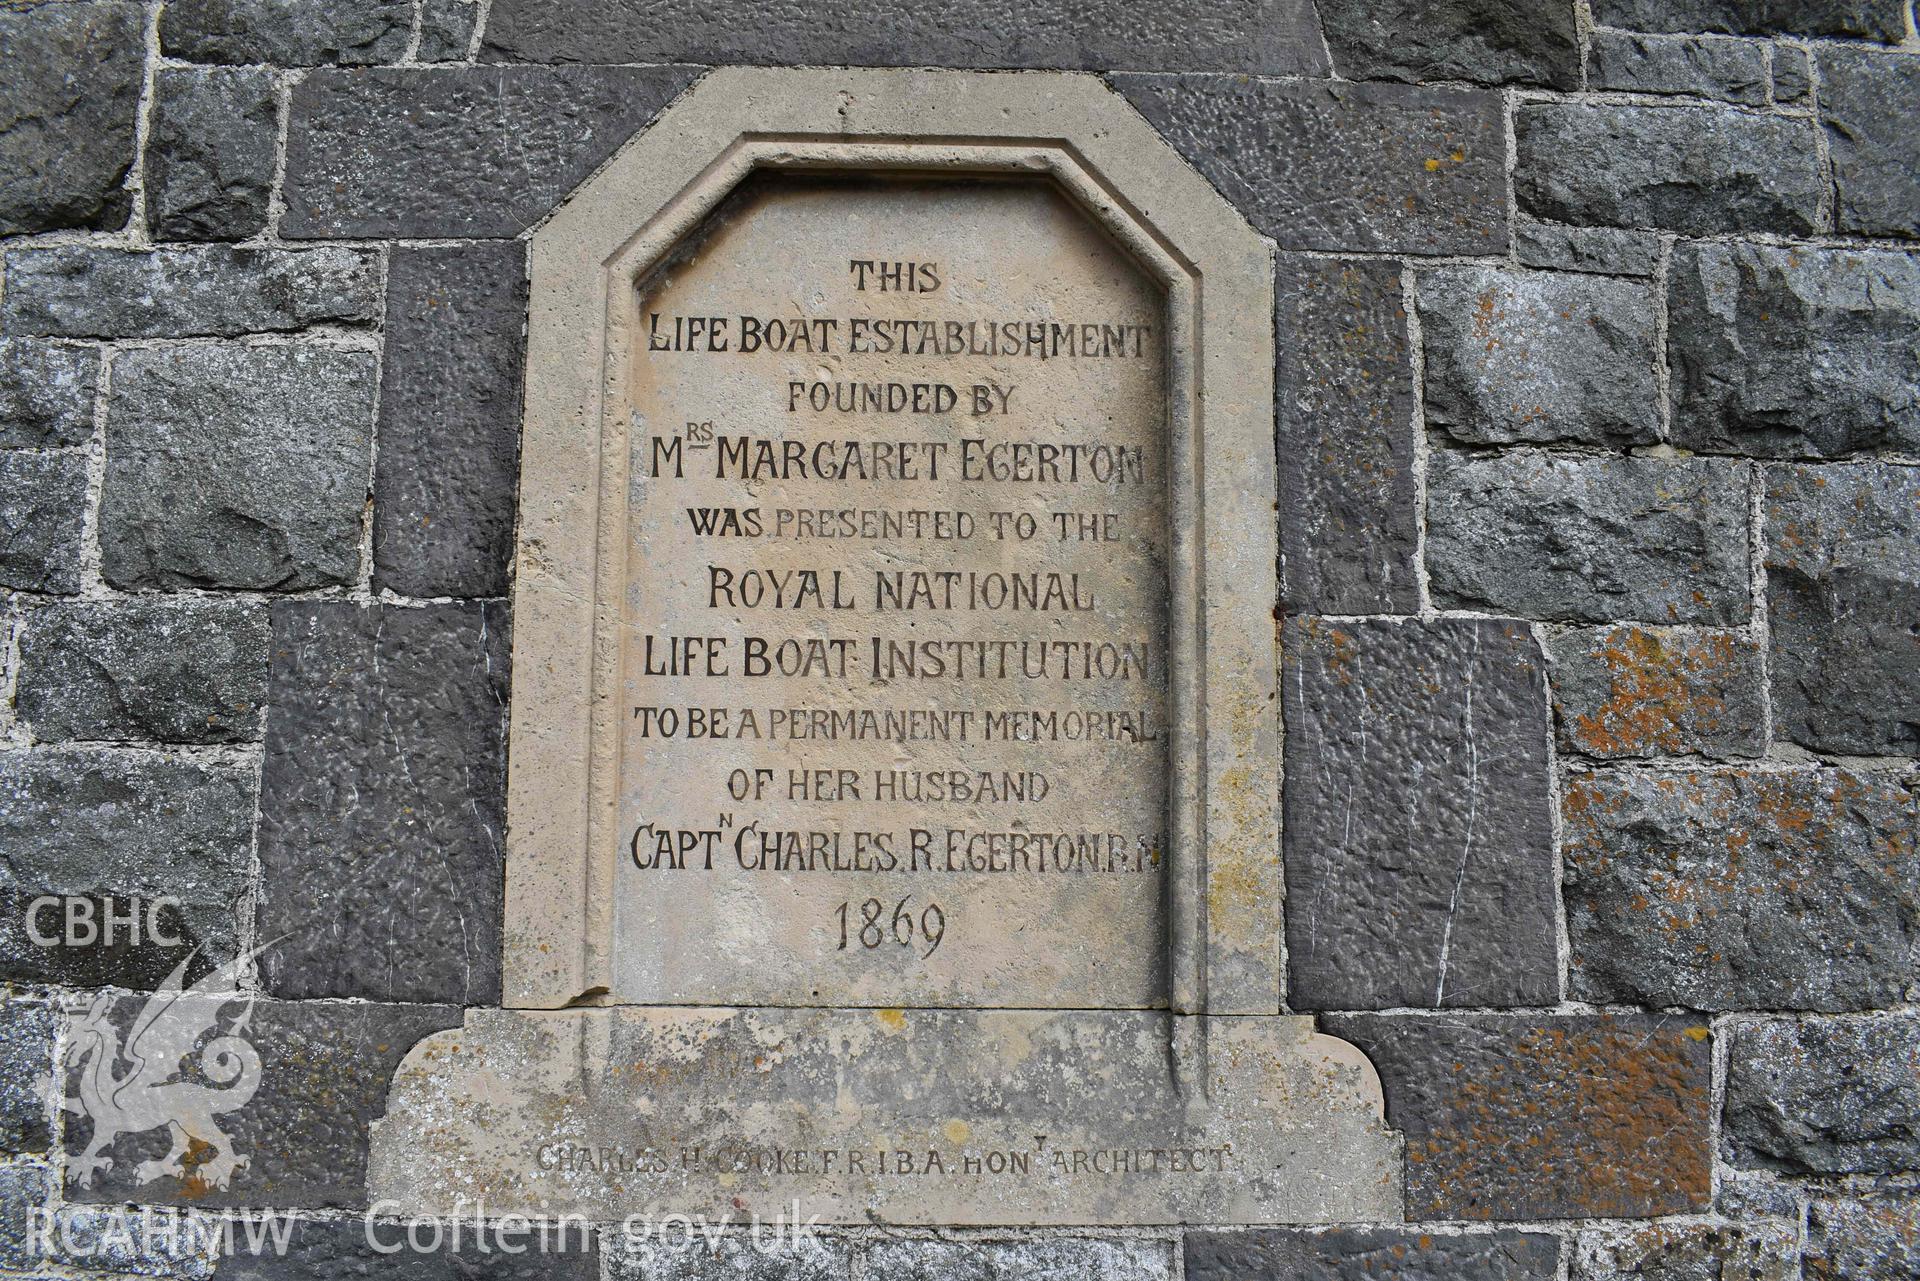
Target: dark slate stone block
<point>46,394</point>
<point>1419,841</point>
<point>1865,102</point>
<point>321,1080</point>
<point>1044,1259</point>
<point>1621,692</point>
<point>210,153</point>
<point>68,105</point>
<point>1518,356</point>
<point>1348,539</point>
<point>179,672</point>
<point>446,29</point>
<point>1792,73</point>
<point>43,499</point>
<point>1370,1254</point>
<point>1883,20</point>
<point>1566,1116</point>
<point>1826,1095</point>
<point>1872,1236</point>
<point>288,33</point>
<point>236,467</point>
<point>106,823</point>
<point>1696,170</point>
<point>1702,66</point>
<point>1691,1252</point>
<point>1337,167</point>
<point>456,151</point>
<point>1607,251</point>
<point>339,1250</point>
<point>1531,42</point>
<point>26,1077</point>
<point>77,291</point>
<point>24,1187</point>
<point>1843,591</point>
<point>1589,539</point>
<point>148,939</point>
<point>1272,37</point>
<point>1740,889</point>
<point>1794,353</point>
<point>448,468</point>
<point>382,801</point>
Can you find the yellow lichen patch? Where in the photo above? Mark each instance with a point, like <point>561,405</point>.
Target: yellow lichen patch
<point>957,1131</point>
<point>892,1020</point>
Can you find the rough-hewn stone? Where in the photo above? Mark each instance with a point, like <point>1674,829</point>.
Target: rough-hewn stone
<point>1419,849</point>
<point>90,1240</point>
<point>1875,150</point>
<point>1704,67</point>
<point>736,1258</point>
<point>1532,42</point>
<point>1337,167</point>
<point>67,113</point>
<point>289,33</point>
<point>1656,691</point>
<point>340,1250</point>
<point>46,394</point>
<point>126,824</point>
<point>446,29</point>
<point>325,1067</point>
<point>1370,1254</point>
<point>1054,1259</point>
<point>1516,356</point>
<point>445,479</point>
<point>1608,251</point>
<point>381,801</point>
<point>1853,1238</point>
<point>1873,19</point>
<point>1589,539</point>
<point>185,672</point>
<point>1554,1117</point>
<point>233,466</point>
<point>1274,37</point>
<point>1741,889</point>
<point>1826,1095</point>
<point>1348,538</point>
<point>1792,73</point>
<point>1843,590</point>
<point>23,1186</point>
<point>26,1077</point>
<point>76,291</point>
<point>456,151</point>
<point>210,153</point>
<point>1696,170</point>
<point>1690,1252</point>
<point>78,952</point>
<point>42,512</point>
<point>1794,353</point>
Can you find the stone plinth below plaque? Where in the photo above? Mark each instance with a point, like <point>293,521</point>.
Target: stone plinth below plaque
<point>961,1117</point>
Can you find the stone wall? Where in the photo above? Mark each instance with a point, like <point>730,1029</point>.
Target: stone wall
<point>1599,436</point>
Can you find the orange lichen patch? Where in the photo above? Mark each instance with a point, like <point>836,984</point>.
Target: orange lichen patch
<point>1663,692</point>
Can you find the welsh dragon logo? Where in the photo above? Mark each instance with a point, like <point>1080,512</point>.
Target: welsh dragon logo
<point>151,1092</point>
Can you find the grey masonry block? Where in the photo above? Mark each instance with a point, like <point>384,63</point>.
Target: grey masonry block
<point>127,825</point>
<point>46,394</point>
<point>24,1187</point>
<point>1418,842</point>
<point>733,1258</point>
<point>448,467</point>
<point>1531,42</point>
<point>1792,73</point>
<point>1273,37</point>
<point>346,1250</point>
<point>210,153</point>
<point>68,104</point>
<point>1608,251</point>
<point>1624,692</point>
<point>1525,356</point>
<point>456,151</point>
<point>1843,591</point>
<point>1741,889</point>
<point>1864,98</point>
<point>42,514</point>
<point>1337,167</point>
<point>236,467</point>
<point>1691,169</point>
<point>1758,1251</point>
<point>179,672</point>
<point>1825,1095</point>
<point>1348,536</point>
<point>324,1071</point>
<point>382,801</point>
<point>1558,1116</point>
<point>1041,1259</point>
<point>1589,539</point>
<point>1370,1254</point>
<point>1864,1236</point>
<point>288,33</point>
<point>1700,66</point>
<point>1883,20</point>
<point>77,291</point>
<point>26,1076</point>
<point>1794,352</point>
<point>447,29</point>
